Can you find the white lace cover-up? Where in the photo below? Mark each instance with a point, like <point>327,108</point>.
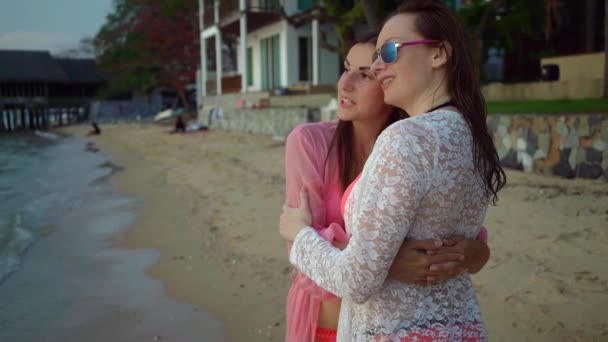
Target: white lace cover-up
<point>418,183</point>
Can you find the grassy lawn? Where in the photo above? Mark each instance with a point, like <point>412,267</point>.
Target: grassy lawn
<point>549,106</point>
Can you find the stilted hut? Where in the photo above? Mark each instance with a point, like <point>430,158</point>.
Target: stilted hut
<point>38,91</point>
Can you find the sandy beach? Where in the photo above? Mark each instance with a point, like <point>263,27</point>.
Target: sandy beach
<point>211,207</point>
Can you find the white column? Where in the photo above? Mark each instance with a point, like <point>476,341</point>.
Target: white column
<point>203,51</point>
<point>244,66</point>
<point>218,49</point>
<point>203,65</point>
<point>288,52</point>
<point>315,51</point>
<point>12,115</point>
<point>218,62</point>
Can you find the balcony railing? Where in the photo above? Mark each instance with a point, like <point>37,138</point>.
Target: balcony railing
<point>264,5</point>
<point>230,9</point>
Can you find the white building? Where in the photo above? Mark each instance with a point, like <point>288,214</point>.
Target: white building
<point>262,45</point>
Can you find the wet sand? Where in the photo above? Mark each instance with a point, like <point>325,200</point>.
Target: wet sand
<point>77,284</point>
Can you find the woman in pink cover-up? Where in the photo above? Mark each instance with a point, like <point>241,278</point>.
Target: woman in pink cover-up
<point>325,158</point>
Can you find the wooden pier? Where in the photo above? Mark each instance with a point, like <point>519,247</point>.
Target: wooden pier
<point>38,91</point>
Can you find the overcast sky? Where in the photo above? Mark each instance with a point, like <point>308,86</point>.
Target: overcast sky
<point>51,25</point>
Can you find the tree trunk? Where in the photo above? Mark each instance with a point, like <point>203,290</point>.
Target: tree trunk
<point>606,50</point>
<point>590,16</point>
<point>182,96</point>
<point>371,14</point>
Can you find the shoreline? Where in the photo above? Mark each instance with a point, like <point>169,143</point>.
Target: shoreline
<point>224,278</point>
<point>76,282</point>
<point>212,203</point>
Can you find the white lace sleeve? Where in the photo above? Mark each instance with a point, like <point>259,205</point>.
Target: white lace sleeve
<point>387,197</point>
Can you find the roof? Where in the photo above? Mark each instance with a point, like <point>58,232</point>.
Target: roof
<point>80,70</point>
<point>40,66</point>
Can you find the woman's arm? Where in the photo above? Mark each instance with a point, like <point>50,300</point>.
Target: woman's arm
<point>425,262</point>
<point>387,198</point>
<point>476,252</point>
<point>305,153</point>
<point>302,170</point>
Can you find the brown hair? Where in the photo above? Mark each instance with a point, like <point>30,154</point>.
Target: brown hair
<point>435,21</point>
<point>342,140</point>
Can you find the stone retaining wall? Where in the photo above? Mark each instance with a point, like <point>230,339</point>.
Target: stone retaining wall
<point>277,122</point>
<point>564,145</point>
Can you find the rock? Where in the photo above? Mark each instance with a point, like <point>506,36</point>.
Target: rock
<point>539,126</point>
<point>572,157</point>
<point>526,161</point>
<point>521,145</point>
<point>583,128</point>
<point>502,151</point>
<point>539,154</point>
<point>561,128</point>
<point>511,161</point>
<point>604,130</point>
<point>589,170</point>
<point>600,145</point>
<point>506,142</point>
<point>595,121</point>
<point>531,139</point>
<point>571,140</point>
<point>563,167</point>
<point>502,130</point>
<point>504,120</point>
<point>543,141</point>
<point>593,155</point>
<point>492,123</point>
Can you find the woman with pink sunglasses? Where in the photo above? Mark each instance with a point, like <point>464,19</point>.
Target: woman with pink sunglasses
<point>430,176</point>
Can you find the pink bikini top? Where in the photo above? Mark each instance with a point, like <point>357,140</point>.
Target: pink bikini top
<point>347,193</point>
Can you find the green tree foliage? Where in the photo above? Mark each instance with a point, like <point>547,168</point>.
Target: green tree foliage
<point>149,43</point>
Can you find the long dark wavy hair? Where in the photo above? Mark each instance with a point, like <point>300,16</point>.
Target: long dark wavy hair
<point>343,137</point>
<point>435,21</point>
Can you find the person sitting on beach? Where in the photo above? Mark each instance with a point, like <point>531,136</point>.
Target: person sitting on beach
<point>180,125</point>
<point>96,130</point>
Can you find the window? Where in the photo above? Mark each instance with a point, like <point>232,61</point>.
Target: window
<point>249,67</point>
<point>304,5</point>
<point>305,56</point>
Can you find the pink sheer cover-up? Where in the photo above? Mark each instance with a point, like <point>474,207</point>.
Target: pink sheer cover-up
<point>306,153</point>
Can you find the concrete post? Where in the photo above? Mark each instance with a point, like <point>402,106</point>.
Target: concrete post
<point>315,51</point>
<point>244,66</point>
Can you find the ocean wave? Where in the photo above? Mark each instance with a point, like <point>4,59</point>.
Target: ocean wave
<point>14,242</point>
